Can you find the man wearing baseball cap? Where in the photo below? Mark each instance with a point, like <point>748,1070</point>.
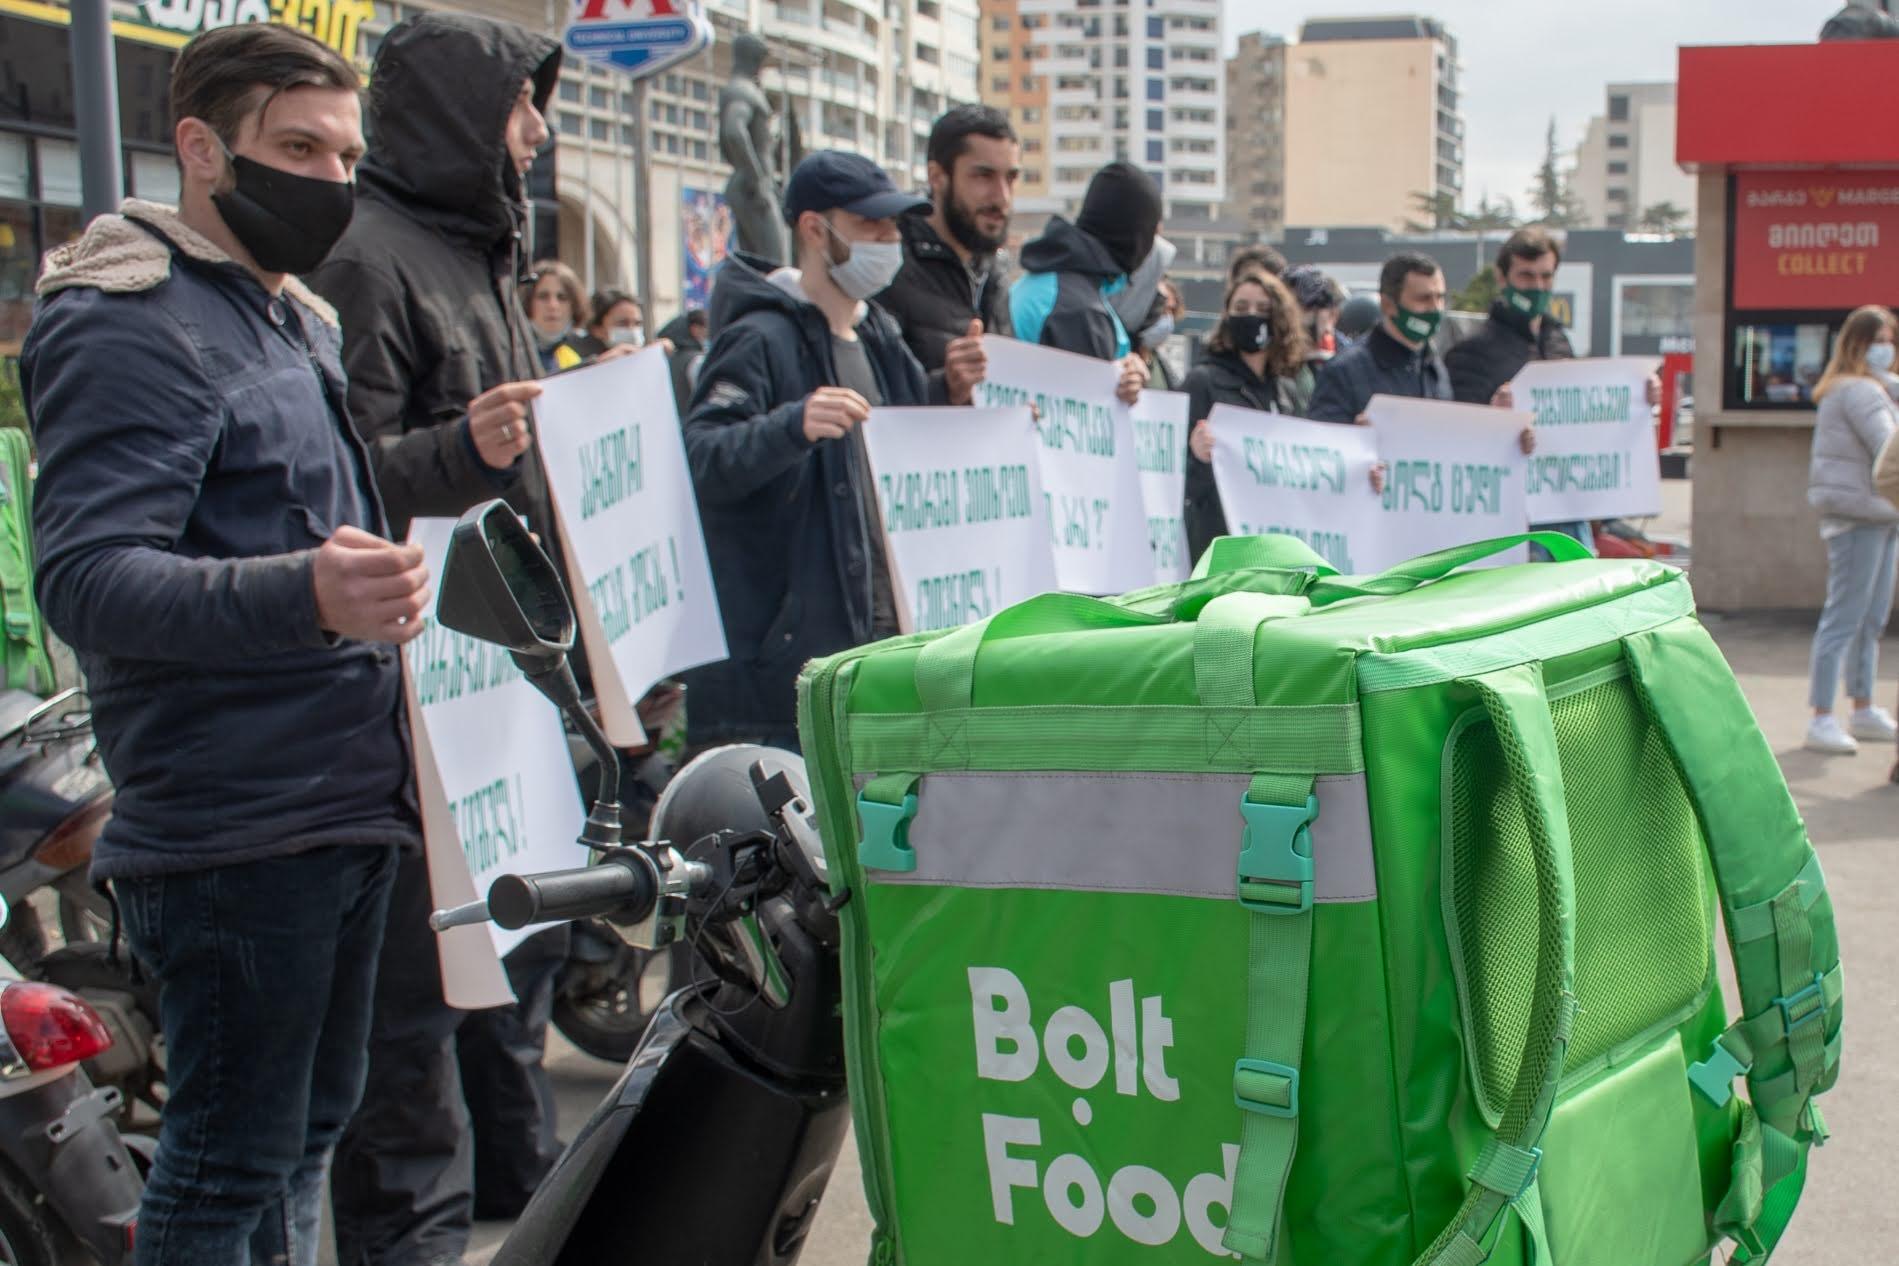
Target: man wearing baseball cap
<point>799,358</point>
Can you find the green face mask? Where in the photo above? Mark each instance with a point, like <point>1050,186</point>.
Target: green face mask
<point>1418,326</point>
<point>1531,303</point>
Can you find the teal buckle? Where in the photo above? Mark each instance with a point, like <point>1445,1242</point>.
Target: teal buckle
<point>1275,873</point>
<point>1808,1003</point>
<point>886,842</point>
<point>1714,1076</point>
<point>1271,1090</point>
<point>1506,1169</point>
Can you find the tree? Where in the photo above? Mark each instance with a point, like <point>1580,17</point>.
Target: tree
<point>1478,293</point>
<point>1492,217</point>
<point>1664,218</point>
<point>1439,209</point>
<point>1551,197</point>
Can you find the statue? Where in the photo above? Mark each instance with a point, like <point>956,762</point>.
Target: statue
<point>745,143</point>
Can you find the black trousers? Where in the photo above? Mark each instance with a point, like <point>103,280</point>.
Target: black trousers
<point>458,1116</point>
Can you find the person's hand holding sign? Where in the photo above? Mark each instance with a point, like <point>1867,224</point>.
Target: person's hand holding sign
<point>831,412</point>
<point>965,364</point>
<point>498,423</point>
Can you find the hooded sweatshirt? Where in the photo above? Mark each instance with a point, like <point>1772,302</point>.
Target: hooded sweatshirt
<point>425,279</point>
<point>1061,299</point>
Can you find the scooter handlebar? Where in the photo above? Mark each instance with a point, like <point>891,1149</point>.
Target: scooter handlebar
<point>625,883</point>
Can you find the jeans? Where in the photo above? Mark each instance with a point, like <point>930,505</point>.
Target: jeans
<point>264,971</point>
<point>459,1113</point>
<point>1581,531</point>
<point>1859,582</point>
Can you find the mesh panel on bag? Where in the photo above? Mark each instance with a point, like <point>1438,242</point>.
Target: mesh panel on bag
<point>1643,930</point>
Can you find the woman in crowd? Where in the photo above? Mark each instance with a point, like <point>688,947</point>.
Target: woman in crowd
<point>1861,529</point>
<point>557,307</point>
<point>1253,359</point>
<point>617,322</point>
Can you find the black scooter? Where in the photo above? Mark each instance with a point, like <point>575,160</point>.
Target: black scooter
<point>715,1146</point>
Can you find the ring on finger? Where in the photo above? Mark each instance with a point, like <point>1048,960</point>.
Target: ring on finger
<point>507,430</point>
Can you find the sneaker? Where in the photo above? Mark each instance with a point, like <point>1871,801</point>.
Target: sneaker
<point>1825,735</point>
<point>1874,724</point>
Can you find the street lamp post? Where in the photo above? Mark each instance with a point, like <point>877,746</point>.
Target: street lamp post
<point>96,103</point>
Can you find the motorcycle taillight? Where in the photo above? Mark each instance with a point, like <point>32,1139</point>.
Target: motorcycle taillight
<point>50,1027</point>
<point>69,845</point>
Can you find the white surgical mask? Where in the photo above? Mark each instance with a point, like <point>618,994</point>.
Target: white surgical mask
<point>1159,332</point>
<point>627,336</point>
<point>1879,357</point>
<point>870,269</point>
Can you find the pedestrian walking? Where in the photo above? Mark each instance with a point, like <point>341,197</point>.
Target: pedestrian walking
<point>1070,273</point>
<point>558,310</point>
<point>211,543</point>
<point>1253,358</point>
<point>1886,484</point>
<point>952,289</point>
<point>458,1118</point>
<point>1855,422</point>
<point>775,441</point>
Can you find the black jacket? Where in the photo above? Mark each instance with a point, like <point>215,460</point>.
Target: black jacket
<point>685,348</point>
<point>1377,366</point>
<point>934,299</point>
<point>1059,300</point>
<point>425,279</point>
<point>194,452</point>
<point>1223,378</point>
<point>1499,349</point>
<point>784,518</point>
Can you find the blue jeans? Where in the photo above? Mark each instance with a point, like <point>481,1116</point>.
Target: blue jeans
<point>1859,580</point>
<point>265,971</point>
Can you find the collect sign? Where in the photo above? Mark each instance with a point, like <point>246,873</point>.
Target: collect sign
<point>637,36</point>
<point>1815,239</point>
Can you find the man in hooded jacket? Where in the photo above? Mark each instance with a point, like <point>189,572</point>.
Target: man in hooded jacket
<point>441,364</point>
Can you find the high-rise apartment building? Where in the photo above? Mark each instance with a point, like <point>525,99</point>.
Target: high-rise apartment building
<point>1625,166</point>
<point>1256,135</point>
<point>1373,122</point>
<point>1086,84</point>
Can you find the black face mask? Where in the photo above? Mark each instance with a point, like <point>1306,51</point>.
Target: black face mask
<point>1252,333</point>
<point>287,222</point>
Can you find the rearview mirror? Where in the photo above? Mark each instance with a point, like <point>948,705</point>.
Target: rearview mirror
<point>499,586</point>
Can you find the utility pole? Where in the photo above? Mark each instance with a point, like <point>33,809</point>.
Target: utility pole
<point>643,197</point>
<point>96,102</point>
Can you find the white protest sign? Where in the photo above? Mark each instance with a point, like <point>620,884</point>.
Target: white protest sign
<point>1453,475</point>
<point>1160,452</point>
<point>1286,476</point>
<point>495,781</point>
<point>636,558</point>
<point>1595,439</point>
<point>1097,519</point>
<point>965,522</point>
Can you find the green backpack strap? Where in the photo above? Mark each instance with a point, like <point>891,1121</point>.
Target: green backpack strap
<point>1780,928</point>
<point>1504,1176</point>
<point>1408,575</point>
<point>1237,553</point>
<point>28,666</point>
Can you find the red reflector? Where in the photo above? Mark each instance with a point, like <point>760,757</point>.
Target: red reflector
<point>49,1026</point>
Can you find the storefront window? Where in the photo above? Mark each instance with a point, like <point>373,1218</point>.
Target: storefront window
<point>155,178</point>
<point>1775,366</point>
<point>1654,315</point>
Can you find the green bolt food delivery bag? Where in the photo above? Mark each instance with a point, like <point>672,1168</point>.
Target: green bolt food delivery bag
<point>1299,918</point>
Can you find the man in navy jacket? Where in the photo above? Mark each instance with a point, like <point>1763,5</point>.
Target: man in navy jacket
<point>799,357</point>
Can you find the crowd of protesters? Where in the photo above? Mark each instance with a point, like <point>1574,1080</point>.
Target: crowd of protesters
<point>241,403</point>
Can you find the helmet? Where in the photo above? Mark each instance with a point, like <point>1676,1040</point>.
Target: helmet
<point>714,793</point>
<point>1358,315</point>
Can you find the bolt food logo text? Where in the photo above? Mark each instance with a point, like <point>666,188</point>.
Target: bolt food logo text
<point>1139,1201</point>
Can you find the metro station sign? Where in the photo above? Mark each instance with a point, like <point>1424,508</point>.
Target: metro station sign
<point>637,37</point>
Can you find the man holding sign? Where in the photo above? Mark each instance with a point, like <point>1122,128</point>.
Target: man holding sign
<point>777,455</point>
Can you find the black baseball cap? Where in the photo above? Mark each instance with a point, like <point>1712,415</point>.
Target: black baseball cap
<point>832,180</point>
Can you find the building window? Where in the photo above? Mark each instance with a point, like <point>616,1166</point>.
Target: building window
<point>699,119</point>
<point>999,23</point>
<point>1156,151</point>
<point>1032,174</point>
<point>1156,27</point>
<point>1032,114</point>
<point>926,54</point>
<point>1032,146</point>
<point>1619,108</point>
<point>629,136</point>
<point>1618,195</point>
<point>569,90</point>
<point>1156,58</point>
<point>699,91</point>
<point>1618,142</point>
<point>699,150</point>
<point>929,9</point>
<point>672,84</point>
<point>570,122</point>
<point>1160,177</point>
<point>1000,53</point>
<point>999,85</point>
<point>1618,169</point>
<point>1156,91</point>
<point>1028,83</point>
<point>1157,120</point>
<point>600,98</point>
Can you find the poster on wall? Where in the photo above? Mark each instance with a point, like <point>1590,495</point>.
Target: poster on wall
<point>705,239</point>
<point>1819,240</point>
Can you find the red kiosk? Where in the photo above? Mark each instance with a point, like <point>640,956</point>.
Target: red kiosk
<point>1797,225</point>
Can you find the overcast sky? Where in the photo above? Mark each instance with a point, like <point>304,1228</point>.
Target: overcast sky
<point>1524,60</point>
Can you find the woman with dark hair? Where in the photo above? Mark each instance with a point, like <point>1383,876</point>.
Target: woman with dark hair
<point>618,321</point>
<point>1253,360</point>
<point>557,308</point>
<point>1856,420</point>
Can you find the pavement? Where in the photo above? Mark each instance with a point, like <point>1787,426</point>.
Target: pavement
<point>1851,1209</point>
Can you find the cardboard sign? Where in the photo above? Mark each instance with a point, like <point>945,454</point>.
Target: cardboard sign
<point>636,558</point>
<point>1595,439</point>
<point>494,778</point>
<point>1160,451</point>
<point>1097,517</point>
<point>1453,475</point>
<point>964,518</point>
<point>1286,476</point>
